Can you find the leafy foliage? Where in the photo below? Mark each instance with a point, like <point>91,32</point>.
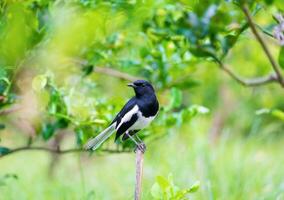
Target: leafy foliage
<point>164,47</point>
<point>165,189</point>
<point>68,58</point>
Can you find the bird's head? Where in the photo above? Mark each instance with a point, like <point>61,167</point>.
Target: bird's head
<point>142,87</point>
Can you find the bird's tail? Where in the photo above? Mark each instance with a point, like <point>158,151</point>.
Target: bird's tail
<point>94,143</point>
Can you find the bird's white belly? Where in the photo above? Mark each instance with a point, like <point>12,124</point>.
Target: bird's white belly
<point>141,122</point>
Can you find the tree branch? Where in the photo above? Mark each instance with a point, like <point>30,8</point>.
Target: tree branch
<point>115,73</point>
<point>58,150</point>
<point>272,78</point>
<point>108,71</point>
<point>263,45</point>
<point>11,110</point>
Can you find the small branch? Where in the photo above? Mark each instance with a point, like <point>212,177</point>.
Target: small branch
<point>248,82</point>
<point>139,174</point>
<point>263,45</point>
<point>108,71</point>
<point>11,110</point>
<point>115,73</point>
<point>58,150</point>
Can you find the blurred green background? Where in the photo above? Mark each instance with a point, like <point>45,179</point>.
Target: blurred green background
<point>64,66</point>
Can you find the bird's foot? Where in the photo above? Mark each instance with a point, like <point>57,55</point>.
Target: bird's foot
<point>141,146</point>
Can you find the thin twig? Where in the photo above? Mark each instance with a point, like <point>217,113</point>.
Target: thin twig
<point>108,71</point>
<point>139,174</point>
<point>263,45</point>
<point>58,150</point>
<point>10,110</point>
<point>115,73</point>
<point>272,78</point>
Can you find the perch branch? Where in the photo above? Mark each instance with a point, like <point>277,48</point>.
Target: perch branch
<point>263,45</point>
<point>139,174</point>
<point>58,150</point>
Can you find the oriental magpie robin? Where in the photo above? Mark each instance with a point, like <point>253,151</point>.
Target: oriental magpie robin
<point>136,114</point>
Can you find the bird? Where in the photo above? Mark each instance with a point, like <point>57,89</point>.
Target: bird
<point>135,115</point>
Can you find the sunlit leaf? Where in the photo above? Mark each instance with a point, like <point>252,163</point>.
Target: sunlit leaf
<point>176,98</point>
<point>199,109</point>
<point>163,182</point>
<point>79,136</point>
<point>194,187</point>
<point>281,58</point>
<point>39,82</point>
<point>99,121</point>
<point>156,191</point>
<point>262,111</point>
<point>278,113</point>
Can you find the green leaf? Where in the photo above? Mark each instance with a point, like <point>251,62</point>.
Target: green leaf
<point>13,176</point>
<point>61,123</point>
<point>56,103</point>
<point>176,98</point>
<point>4,150</point>
<point>4,85</point>
<point>39,82</point>
<point>163,182</point>
<point>88,69</point>
<point>156,191</point>
<point>2,126</point>
<point>228,42</point>
<point>278,113</point>
<point>262,111</point>
<point>100,121</point>
<point>47,131</point>
<point>3,72</point>
<point>274,112</point>
<point>194,187</point>
<point>281,58</point>
<point>199,109</point>
<point>186,84</point>
<point>79,136</point>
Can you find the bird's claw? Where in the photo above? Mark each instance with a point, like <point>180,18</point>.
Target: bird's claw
<point>141,147</point>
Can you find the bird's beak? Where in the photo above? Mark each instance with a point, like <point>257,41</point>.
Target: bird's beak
<point>131,85</point>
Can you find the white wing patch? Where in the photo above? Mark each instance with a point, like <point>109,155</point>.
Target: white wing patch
<point>128,116</point>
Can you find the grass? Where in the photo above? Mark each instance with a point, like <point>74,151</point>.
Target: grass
<point>235,168</point>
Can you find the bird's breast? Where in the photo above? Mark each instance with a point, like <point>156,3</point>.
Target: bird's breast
<point>142,122</point>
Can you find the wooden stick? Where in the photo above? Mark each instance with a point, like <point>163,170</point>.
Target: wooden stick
<point>139,173</point>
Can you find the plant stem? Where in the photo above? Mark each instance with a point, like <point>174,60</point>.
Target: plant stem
<point>263,45</point>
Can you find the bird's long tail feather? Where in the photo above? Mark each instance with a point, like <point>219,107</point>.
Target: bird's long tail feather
<point>96,142</point>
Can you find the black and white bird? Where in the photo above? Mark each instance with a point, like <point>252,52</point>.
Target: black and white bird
<point>136,114</point>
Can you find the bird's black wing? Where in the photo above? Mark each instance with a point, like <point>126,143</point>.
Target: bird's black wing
<point>123,127</point>
<point>126,108</point>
